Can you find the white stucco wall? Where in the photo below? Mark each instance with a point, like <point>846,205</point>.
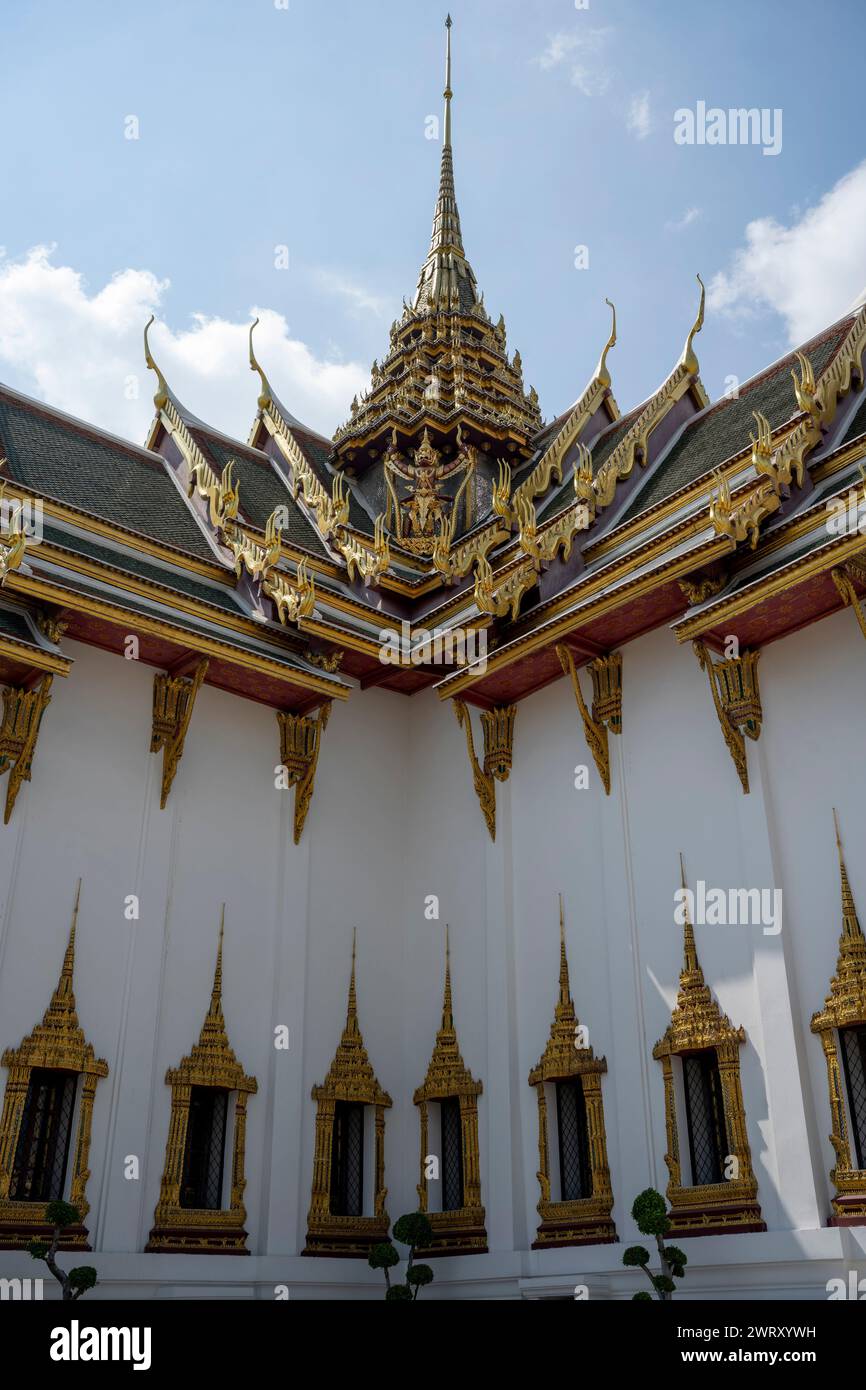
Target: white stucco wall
<point>394,819</point>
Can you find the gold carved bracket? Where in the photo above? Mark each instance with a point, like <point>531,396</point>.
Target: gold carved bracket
<point>22,716</point>
<point>173,701</point>
<point>498,727</point>
<point>842,578</point>
<point>606,716</point>
<point>300,742</point>
<point>737,698</point>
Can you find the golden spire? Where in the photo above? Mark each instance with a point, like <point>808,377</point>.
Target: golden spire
<point>446,280</point>
<point>63,998</point>
<point>213,1035</point>
<point>352,1006</point>
<point>160,399</point>
<point>850,924</point>
<point>601,372</point>
<point>691,964</point>
<point>688,359</point>
<point>448,92</point>
<point>266,395</point>
<point>564,986</point>
<point>447,1006</point>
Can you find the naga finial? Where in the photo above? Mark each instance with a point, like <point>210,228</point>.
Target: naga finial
<point>266,395</point>
<point>160,399</point>
<point>601,372</point>
<point>688,359</point>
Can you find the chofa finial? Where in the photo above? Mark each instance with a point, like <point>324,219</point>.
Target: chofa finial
<point>601,372</point>
<point>266,395</point>
<point>688,359</point>
<point>160,399</point>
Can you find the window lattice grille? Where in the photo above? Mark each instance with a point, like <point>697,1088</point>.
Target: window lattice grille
<point>204,1156</point>
<point>575,1172</point>
<point>347,1160</point>
<point>452,1155</point>
<point>42,1151</point>
<point>854,1062</point>
<point>708,1143</point>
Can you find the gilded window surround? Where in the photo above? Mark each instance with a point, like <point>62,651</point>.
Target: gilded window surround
<point>350,1078</point>
<point>460,1232</point>
<point>844,1007</point>
<point>57,1043</point>
<point>212,1062</point>
<point>697,1024</point>
<point>586,1220</point>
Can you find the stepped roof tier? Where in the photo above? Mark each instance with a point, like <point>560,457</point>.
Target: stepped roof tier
<point>443,504</point>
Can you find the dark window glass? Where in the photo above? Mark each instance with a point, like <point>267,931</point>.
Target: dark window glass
<point>705,1113</point>
<point>452,1155</point>
<point>854,1062</point>
<point>347,1160</point>
<point>202,1185</point>
<point>39,1169</point>
<point>575,1172</point>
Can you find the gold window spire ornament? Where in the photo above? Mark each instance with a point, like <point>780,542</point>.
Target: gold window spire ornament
<point>841,1019</point>
<point>460,1230</point>
<point>350,1082</point>
<point>698,1029</point>
<point>211,1067</point>
<point>567,1063</point>
<point>56,1045</point>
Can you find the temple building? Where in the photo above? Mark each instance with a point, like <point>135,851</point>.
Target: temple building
<point>346,783</point>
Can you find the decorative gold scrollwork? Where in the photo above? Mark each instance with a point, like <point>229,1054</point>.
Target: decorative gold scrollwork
<point>737,698</point>
<point>173,701</point>
<point>606,673</point>
<point>22,716</point>
<point>300,741</point>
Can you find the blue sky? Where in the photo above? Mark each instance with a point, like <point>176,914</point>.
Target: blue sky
<point>262,126</point>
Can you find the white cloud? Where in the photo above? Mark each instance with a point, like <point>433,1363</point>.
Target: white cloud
<point>809,272</point>
<point>639,119</point>
<point>573,51</point>
<point>79,351</point>
<point>689,216</point>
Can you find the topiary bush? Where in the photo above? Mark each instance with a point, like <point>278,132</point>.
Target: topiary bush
<point>415,1231</point>
<point>77,1281</point>
<point>651,1216</point>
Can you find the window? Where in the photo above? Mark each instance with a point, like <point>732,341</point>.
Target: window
<point>575,1173</point>
<point>705,1113</point>
<point>452,1154</point>
<point>854,1062</point>
<point>202,1184</point>
<point>39,1170</point>
<point>347,1159</point>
